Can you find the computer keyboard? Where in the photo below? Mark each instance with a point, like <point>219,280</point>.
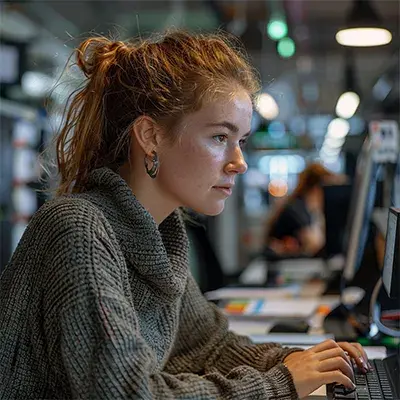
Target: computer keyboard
<point>373,385</point>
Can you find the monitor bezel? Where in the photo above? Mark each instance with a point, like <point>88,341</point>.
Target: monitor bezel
<point>391,280</point>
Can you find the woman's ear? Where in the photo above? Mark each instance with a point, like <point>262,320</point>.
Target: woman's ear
<point>147,134</point>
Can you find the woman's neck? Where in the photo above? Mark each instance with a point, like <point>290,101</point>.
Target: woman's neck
<point>148,193</point>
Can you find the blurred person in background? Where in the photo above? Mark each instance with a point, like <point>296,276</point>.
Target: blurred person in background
<point>97,300</point>
<point>297,226</point>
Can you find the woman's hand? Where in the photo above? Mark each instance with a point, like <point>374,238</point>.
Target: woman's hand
<point>357,354</point>
<point>327,362</point>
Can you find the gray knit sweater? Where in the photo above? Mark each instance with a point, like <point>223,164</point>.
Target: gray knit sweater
<point>97,302</point>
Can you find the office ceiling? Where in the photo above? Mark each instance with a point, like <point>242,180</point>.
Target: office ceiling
<point>54,27</point>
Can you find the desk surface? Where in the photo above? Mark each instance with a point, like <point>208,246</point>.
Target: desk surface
<point>248,326</point>
<point>260,329</point>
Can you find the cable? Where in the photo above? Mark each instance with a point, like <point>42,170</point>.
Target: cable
<point>375,311</point>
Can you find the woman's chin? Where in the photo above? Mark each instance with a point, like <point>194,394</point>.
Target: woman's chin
<point>210,210</point>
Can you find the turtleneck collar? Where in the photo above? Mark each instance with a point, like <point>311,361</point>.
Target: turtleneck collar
<point>158,253</point>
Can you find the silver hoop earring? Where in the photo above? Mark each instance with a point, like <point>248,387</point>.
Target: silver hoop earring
<point>153,171</point>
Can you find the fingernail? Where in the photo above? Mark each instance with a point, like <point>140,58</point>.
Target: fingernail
<point>370,367</point>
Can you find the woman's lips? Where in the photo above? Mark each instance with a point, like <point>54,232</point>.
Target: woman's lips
<point>226,190</point>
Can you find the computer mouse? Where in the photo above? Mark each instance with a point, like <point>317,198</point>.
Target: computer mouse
<point>290,327</point>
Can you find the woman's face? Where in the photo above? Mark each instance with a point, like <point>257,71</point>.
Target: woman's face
<point>199,170</point>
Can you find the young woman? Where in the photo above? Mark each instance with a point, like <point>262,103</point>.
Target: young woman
<point>97,301</point>
<point>297,227</point>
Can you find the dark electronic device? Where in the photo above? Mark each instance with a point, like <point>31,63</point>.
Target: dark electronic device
<point>290,327</point>
<point>339,322</point>
<point>383,382</point>
<point>391,266</point>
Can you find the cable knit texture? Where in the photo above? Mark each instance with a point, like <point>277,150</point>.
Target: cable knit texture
<point>97,302</point>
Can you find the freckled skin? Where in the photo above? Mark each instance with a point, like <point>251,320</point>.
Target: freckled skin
<point>206,156</point>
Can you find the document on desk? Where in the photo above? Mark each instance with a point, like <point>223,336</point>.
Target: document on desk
<point>247,328</point>
<point>266,308</point>
<point>289,291</point>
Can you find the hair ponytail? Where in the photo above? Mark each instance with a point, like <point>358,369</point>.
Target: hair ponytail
<point>80,138</point>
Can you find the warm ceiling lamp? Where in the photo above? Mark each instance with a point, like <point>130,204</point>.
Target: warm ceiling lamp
<point>363,27</point>
<point>267,106</point>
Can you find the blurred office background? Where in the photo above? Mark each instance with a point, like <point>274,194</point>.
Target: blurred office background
<point>317,100</point>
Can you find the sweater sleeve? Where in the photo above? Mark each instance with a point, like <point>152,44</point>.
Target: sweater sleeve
<point>215,348</point>
<point>93,336</point>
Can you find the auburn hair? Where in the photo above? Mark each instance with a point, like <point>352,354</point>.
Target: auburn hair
<point>164,77</point>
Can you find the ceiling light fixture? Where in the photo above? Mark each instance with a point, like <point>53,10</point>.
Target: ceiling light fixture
<point>286,47</point>
<point>267,106</point>
<point>363,27</point>
<point>347,105</point>
<point>277,27</point>
<point>338,128</point>
<point>349,101</point>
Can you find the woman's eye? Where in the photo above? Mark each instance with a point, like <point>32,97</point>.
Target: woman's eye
<point>221,138</point>
<point>243,143</point>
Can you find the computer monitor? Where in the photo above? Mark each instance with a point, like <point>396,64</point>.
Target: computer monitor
<point>13,62</point>
<point>396,186</point>
<point>361,208</point>
<point>391,266</point>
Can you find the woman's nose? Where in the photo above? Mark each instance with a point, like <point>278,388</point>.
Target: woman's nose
<point>238,164</point>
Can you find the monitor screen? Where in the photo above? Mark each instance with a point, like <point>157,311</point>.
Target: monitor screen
<point>9,71</point>
<point>396,186</point>
<point>13,62</point>
<point>369,208</point>
<point>361,207</point>
<point>391,264</point>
